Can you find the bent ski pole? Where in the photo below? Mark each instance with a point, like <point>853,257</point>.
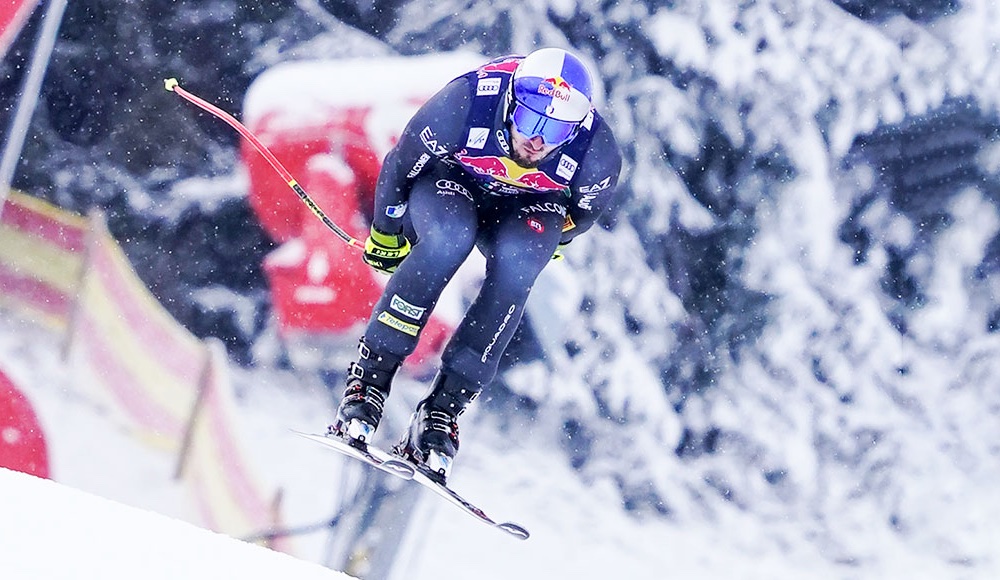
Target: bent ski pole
<point>173,86</point>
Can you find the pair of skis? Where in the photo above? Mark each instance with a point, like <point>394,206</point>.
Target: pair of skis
<point>403,469</point>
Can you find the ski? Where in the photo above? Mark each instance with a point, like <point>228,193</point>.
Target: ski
<point>403,469</point>
<point>367,453</point>
<point>420,476</point>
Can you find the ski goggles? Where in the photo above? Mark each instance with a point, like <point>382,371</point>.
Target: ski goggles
<point>533,124</point>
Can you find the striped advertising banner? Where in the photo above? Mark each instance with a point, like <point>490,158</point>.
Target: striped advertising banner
<point>143,364</point>
<point>41,259</point>
<point>169,388</point>
<point>13,14</point>
<point>215,466</point>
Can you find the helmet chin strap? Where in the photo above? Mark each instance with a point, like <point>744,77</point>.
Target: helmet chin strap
<point>507,101</point>
<point>505,118</point>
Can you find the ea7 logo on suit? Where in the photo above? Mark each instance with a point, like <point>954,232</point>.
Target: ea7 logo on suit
<point>599,186</point>
<point>431,143</point>
<point>590,193</point>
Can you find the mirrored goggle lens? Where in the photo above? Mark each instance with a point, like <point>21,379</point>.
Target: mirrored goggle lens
<point>532,124</point>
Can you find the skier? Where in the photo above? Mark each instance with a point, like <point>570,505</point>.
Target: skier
<point>511,158</point>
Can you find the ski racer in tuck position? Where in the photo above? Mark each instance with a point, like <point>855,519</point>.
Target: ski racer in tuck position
<point>511,158</point>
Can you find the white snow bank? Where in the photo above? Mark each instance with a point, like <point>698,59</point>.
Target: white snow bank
<point>49,530</point>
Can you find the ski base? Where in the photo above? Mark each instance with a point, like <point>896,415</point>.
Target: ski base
<point>406,470</point>
<point>369,454</point>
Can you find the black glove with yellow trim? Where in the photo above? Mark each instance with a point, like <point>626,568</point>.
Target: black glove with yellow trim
<point>384,252</point>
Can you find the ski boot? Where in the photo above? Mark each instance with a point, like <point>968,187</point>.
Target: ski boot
<point>431,441</point>
<point>368,383</point>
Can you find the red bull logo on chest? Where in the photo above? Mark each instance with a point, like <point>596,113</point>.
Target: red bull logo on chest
<point>506,171</point>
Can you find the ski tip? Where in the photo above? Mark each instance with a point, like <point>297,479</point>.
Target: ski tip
<point>307,435</point>
<point>514,530</point>
<point>170,84</point>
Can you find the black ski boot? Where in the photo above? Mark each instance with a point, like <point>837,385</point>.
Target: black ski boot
<point>432,439</point>
<point>368,384</point>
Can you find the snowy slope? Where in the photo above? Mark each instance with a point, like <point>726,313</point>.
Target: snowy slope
<point>54,532</point>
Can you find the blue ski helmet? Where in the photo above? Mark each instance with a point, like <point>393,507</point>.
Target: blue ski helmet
<point>551,94</point>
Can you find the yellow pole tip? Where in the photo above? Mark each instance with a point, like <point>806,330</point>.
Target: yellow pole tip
<point>170,84</point>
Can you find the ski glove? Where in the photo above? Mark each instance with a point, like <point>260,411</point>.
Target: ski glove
<point>558,254</point>
<point>384,252</point>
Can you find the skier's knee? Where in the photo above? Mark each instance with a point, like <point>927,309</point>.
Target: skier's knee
<point>448,245</point>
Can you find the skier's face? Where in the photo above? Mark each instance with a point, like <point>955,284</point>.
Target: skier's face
<point>528,152</point>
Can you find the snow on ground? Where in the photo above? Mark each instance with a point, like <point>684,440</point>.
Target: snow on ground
<point>52,531</point>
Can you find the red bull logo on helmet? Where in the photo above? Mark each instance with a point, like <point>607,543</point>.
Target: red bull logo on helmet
<point>555,83</point>
<point>555,87</point>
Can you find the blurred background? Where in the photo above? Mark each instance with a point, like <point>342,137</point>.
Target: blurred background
<point>784,342</point>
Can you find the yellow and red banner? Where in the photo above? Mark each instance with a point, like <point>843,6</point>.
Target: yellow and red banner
<point>216,467</point>
<point>145,365</point>
<point>41,259</point>
<point>170,388</point>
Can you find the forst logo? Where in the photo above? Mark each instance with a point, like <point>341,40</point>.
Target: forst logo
<point>555,87</point>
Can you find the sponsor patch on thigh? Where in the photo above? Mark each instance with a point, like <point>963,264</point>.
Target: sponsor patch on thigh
<point>393,322</point>
<point>405,308</point>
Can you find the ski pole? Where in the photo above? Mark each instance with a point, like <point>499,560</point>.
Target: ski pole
<point>173,86</point>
